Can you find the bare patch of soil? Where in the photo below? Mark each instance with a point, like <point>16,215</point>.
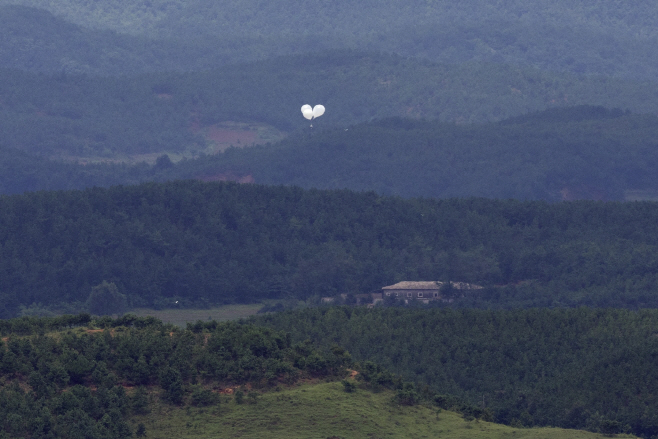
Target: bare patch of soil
<point>224,135</point>
<point>93,331</point>
<point>218,138</point>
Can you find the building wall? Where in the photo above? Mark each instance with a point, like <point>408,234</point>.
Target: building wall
<point>413,294</point>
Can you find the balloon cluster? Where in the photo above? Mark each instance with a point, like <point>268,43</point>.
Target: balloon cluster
<point>314,112</point>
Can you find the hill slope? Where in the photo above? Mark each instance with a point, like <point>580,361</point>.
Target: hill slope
<point>613,39</point>
<point>560,154</point>
<point>87,382</point>
<point>572,153</point>
<point>34,40</point>
<point>574,368</point>
<point>212,243</point>
<point>77,377</point>
<point>72,115</point>
<point>325,411</point>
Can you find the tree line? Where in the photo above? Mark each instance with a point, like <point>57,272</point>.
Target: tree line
<point>188,243</point>
<point>66,114</point>
<point>77,378</point>
<point>578,368</point>
<point>582,152</point>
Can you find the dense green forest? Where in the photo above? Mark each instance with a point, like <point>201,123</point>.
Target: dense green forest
<point>85,382</point>
<point>78,115</point>
<point>576,368</point>
<point>21,172</point>
<point>213,243</point>
<point>612,39</point>
<point>560,154</point>
<point>75,376</point>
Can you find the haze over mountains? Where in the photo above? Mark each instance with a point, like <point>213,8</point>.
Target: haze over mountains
<point>128,82</point>
<point>606,38</point>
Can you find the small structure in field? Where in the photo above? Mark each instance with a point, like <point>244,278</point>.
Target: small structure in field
<point>423,291</point>
<point>426,291</point>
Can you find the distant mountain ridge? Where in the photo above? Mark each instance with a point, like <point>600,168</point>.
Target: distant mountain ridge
<point>612,39</point>
<point>583,152</point>
<point>153,16</point>
<point>35,40</point>
<point>84,116</point>
<point>559,154</point>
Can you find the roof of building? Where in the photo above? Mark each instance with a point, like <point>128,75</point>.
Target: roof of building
<point>406,285</point>
<point>430,285</point>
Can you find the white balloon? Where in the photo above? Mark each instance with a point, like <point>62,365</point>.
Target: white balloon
<point>307,111</point>
<point>318,110</point>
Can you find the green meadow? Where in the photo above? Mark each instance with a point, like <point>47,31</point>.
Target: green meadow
<point>321,411</point>
<point>180,317</point>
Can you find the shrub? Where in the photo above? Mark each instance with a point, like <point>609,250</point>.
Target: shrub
<point>348,386</point>
<point>203,397</point>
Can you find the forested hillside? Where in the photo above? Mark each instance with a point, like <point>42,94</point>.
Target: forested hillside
<point>78,377</point>
<point>79,118</point>
<point>21,172</point>
<point>87,382</point>
<point>34,40</point>
<point>457,139</point>
<point>73,115</point>
<point>575,368</point>
<point>562,154</point>
<point>612,39</point>
<point>213,243</point>
<point>579,153</point>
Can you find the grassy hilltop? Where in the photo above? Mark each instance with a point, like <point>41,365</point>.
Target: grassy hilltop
<point>325,410</point>
<point>78,377</point>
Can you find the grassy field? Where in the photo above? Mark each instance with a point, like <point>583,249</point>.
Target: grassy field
<point>182,316</point>
<point>325,411</point>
